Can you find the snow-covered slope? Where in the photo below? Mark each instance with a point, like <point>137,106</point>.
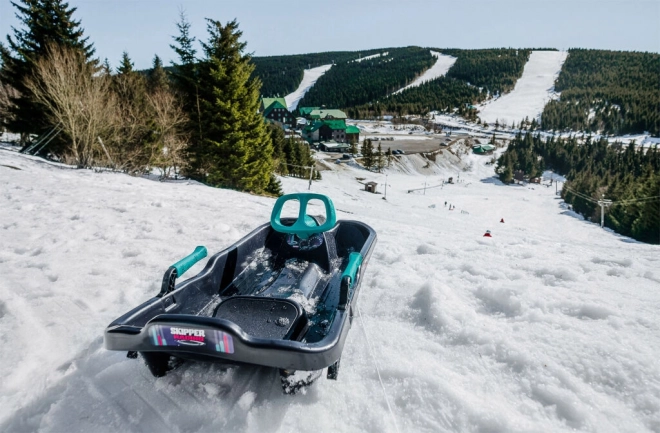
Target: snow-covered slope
<point>550,325</point>
<point>373,56</point>
<point>310,76</point>
<point>439,69</point>
<point>532,91</point>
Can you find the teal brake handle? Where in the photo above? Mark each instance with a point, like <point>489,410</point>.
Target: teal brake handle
<point>348,278</point>
<point>304,226</point>
<point>179,268</point>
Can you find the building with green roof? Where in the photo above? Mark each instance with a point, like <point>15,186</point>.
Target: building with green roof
<point>305,111</point>
<point>275,111</point>
<point>352,134</point>
<point>483,149</point>
<point>266,102</point>
<point>333,129</point>
<point>327,114</point>
<point>311,131</point>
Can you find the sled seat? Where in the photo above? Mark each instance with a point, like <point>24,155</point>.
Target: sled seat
<point>260,317</point>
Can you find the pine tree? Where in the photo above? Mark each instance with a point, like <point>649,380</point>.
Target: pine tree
<point>354,148</point>
<point>157,77</point>
<point>380,160</point>
<point>134,122</point>
<point>237,148</point>
<point>186,80</point>
<point>367,154</point>
<point>125,66</point>
<point>45,23</point>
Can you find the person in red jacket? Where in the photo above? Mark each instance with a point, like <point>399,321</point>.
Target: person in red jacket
<point>487,234</point>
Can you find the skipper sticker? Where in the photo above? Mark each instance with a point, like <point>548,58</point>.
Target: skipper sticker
<point>219,341</point>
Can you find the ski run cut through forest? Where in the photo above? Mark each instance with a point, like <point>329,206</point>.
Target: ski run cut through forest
<point>548,325</point>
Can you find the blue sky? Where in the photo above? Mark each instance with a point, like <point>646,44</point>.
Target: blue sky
<point>271,27</point>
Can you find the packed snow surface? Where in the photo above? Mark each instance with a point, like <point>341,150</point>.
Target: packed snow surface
<point>532,91</point>
<point>310,76</point>
<point>373,56</point>
<point>550,325</point>
<point>439,69</point>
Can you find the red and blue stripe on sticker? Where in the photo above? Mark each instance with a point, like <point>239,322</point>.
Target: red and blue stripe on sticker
<point>219,341</point>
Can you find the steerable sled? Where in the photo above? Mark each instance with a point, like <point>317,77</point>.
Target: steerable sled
<point>284,296</point>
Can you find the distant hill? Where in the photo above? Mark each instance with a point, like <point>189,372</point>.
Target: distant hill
<point>610,91</point>
<point>365,87</point>
<point>616,92</point>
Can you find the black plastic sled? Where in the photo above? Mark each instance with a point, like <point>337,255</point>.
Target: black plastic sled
<point>283,297</point>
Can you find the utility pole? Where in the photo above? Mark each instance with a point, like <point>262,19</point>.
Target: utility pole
<point>603,204</point>
<point>311,172</point>
<point>424,186</point>
<point>385,198</point>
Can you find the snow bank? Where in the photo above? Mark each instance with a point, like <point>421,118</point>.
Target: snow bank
<point>439,69</point>
<point>550,325</point>
<point>310,76</point>
<point>532,91</point>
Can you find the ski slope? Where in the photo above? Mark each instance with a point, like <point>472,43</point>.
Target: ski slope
<point>310,76</point>
<point>439,69</point>
<point>532,91</point>
<point>551,325</point>
<point>373,56</point>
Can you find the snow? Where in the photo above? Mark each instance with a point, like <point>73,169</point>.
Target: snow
<point>310,76</point>
<point>550,325</point>
<point>532,91</point>
<point>439,69</point>
<point>373,56</point>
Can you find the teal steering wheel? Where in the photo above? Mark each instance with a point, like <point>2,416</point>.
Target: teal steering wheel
<point>305,225</point>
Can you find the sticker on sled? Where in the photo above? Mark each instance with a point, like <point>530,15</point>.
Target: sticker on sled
<point>219,341</point>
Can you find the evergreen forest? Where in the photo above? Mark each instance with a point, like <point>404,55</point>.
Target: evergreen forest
<point>595,169</point>
<point>614,92</point>
<point>348,84</point>
<point>281,75</point>
<point>495,70</point>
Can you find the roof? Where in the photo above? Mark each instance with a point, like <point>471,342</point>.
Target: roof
<point>306,110</point>
<point>322,114</point>
<point>484,148</point>
<point>335,145</point>
<point>352,129</point>
<point>335,124</point>
<point>312,127</point>
<point>275,104</point>
<point>266,102</point>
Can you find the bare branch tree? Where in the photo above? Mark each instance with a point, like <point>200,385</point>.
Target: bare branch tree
<point>77,99</point>
<point>170,143</point>
<point>7,93</point>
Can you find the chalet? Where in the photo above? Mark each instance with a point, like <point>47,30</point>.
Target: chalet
<point>333,130</point>
<point>324,114</point>
<point>311,131</point>
<point>267,102</point>
<point>274,110</point>
<point>305,111</point>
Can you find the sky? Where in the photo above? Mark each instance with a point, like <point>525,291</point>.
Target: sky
<point>145,28</point>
